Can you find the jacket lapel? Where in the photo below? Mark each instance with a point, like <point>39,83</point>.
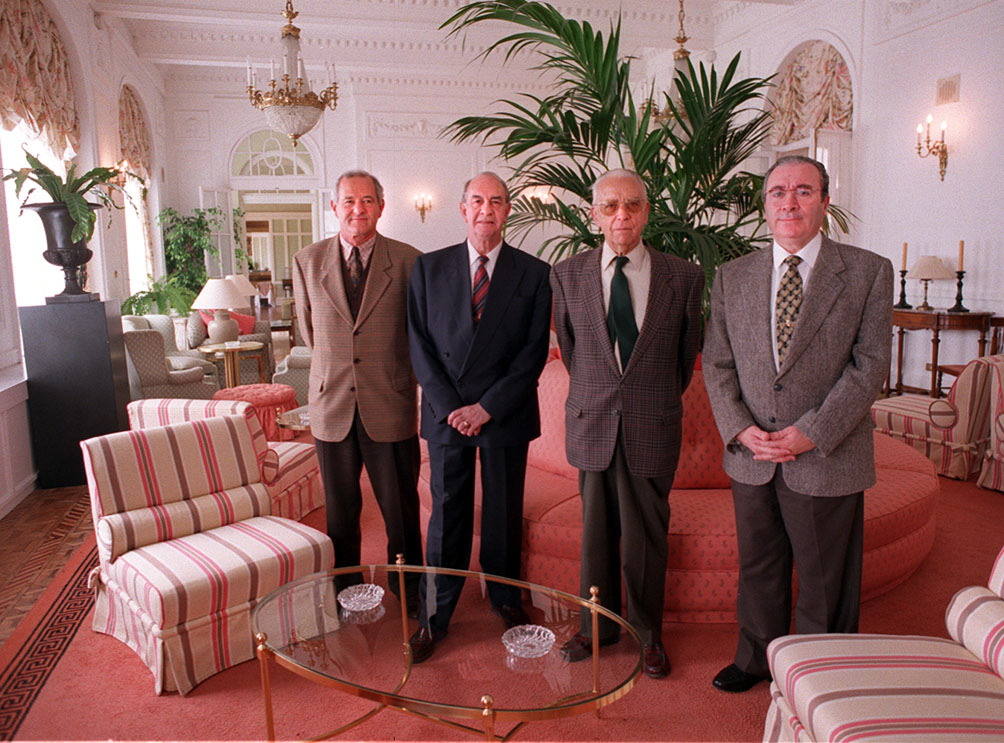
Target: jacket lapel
<point>331,278</point>
<point>757,306</point>
<point>592,297</point>
<point>825,285</point>
<point>505,278</point>
<point>377,279</point>
<point>659,302</point>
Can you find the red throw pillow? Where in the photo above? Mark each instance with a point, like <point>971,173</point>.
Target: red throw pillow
<point>245,323</point>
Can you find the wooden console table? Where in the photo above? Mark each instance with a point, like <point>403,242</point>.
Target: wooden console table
<point>935,321</point>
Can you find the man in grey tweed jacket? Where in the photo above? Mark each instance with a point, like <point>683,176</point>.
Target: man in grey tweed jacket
<point>628,321</point>
<point>791,389</point>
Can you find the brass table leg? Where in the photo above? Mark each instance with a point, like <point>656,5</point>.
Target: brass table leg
<point>488,716</point>
<point>266,685</point>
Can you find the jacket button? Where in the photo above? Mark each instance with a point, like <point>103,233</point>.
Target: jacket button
<point>352,389</point>
<point>772,419</point>
<point>355,361</point>
<point>778,387</point>
<point>356,332</point>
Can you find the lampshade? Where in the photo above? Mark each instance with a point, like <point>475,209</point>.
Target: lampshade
<point>243,284</point>
<point>930,267</point>
<point>219,294</point>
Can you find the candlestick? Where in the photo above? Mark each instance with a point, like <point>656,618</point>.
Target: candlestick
<point>904,256</point>
<point>902,304</point>
<point>958,294</point>
<point>962,254</point>
<point>271,69</point>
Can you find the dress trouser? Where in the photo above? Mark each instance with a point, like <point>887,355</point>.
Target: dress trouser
<point>393,472</point>
<point>777,526</point>
<point>451,527</point>
<point>625,527</point>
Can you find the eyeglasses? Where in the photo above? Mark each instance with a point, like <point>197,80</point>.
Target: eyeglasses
<point>610,208</point>
<point>801,192</point>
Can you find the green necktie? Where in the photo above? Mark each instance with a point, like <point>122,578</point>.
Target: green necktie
<point>620,314</point>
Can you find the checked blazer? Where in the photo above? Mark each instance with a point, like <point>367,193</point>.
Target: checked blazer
<point>362,362</point>
<point>645,401</point>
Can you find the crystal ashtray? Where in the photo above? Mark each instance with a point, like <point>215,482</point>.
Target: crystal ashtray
<point>362,597</point>
<point>528,640</point>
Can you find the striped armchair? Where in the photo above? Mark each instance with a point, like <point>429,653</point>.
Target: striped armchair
<point>296,488</point>
<point>187,545</point>
<point>952,432</point>
<point>992,473</point>
<point>896,688</point>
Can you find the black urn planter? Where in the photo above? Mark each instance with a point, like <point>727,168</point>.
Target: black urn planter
<point>61,251</point>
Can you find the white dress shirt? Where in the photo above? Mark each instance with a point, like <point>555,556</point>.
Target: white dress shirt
<point>638,272</point>
<point>808,253</point>
<point>365,250</point>
<point>473,255</point>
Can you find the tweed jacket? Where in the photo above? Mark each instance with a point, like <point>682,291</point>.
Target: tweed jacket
<point>645,401</point>
<point>497,362</point>
<point>361,363</point>
<point>837,360</point>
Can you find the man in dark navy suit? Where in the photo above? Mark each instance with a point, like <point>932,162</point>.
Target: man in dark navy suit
<point>478,325</point>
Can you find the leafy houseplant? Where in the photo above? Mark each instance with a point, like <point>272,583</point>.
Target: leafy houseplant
<point>187,239</point>
<point>69,218</point>
<point>704,207</point>
<point>164,295</point>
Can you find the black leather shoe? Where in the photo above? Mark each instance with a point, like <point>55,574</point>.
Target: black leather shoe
<point>513,616</point>
<point>579,647</point>
<point>733,679</point>
<point>423,642</point>
<point>655,663</point>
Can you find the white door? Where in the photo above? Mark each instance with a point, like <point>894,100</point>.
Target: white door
<point>225,200</point>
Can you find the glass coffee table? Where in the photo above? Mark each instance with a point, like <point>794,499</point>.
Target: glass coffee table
<point>471,681</point>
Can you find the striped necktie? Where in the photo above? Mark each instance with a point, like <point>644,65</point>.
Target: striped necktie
<point>787,305</point>
<point>479,289</point>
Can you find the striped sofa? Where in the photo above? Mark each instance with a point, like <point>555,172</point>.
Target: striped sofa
<point>187,545</point>
<point>992,472</point>
<point>896,688</point>
<point>952,432</point>
<point>296,489</point>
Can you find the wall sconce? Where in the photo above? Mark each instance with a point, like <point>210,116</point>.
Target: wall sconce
<point>423,205</point>
<point>929,268</point>
<point>937,147</point>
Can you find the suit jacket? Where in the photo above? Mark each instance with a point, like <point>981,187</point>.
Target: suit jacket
<point>496,363</point>
<point>363,362</point>
<point>837,360</point>
<point>645,401</point>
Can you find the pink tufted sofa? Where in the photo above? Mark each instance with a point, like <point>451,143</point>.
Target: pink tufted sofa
<point>703,560</point>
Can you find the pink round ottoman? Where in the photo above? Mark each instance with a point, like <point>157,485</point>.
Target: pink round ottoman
<point>268,400</point>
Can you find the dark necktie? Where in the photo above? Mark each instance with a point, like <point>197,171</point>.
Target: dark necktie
<point>787,305</point>
<point>620,313</point>
<point>479,289</point>
<point>355,268</point>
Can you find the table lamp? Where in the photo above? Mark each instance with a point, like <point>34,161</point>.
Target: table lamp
<point>929,268</point>
<point>219,295</point>
<point>244,286</point>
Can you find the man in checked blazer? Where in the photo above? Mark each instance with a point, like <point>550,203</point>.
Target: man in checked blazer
<point>628,321</point>
<point>797,348</point>
<point>350,293</point>
<point>478,320</point>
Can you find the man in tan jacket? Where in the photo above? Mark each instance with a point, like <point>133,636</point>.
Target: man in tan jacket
<point>351,293</point>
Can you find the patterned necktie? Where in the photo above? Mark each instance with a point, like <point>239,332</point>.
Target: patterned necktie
<point>479,289</point>
<point>355,268</point>
<point>620,313</point>
<point>787,305</point>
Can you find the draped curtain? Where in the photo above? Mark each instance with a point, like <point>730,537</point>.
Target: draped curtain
<point>35,84</point>
<point>134,135</point>
<point>813,92</point>
<point>134,148</point>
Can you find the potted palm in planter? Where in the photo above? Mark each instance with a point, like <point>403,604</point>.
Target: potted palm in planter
<point>68,219</point>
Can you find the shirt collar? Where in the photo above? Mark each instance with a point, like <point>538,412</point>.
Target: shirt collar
<point>808,253</point>
<point>364,250</point>
<point>473,255</point>
<point>638,257</point>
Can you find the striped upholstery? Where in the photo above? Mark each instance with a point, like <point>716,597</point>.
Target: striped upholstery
<point>887,687</point>
<point>187,544</point>
<point>992,472</point>
<point>294,486</point>
<point>952,432</point>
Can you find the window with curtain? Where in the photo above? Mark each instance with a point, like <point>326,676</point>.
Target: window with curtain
<point>134,144</point>
<point>813,91</point>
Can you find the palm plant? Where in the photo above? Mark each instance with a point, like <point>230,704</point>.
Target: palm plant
<point>705,208</point>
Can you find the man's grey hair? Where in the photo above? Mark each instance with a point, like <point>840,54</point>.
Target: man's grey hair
<point>360,174</point>
<point>824,177</point>
<point>619,173</point>
<point>490,174</point>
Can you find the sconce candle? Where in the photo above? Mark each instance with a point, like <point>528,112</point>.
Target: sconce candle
<point>937,147</point>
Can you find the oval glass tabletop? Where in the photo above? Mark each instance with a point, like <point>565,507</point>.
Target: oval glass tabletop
<point>366,651</point>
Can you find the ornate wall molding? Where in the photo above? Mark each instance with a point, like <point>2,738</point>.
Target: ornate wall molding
<point>404,126</point>
<point>897,17</point>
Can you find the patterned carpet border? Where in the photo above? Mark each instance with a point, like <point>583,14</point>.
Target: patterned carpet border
<point>35,648</point>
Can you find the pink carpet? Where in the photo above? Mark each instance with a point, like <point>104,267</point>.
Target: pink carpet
<point>97,689</point>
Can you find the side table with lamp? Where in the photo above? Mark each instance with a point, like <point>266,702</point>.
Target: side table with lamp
<point>219,295</point>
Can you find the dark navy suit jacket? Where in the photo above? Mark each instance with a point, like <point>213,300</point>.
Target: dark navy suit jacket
<point>496,363</point>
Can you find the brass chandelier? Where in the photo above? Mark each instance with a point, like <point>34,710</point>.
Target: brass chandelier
<point>290,106</point>
<point>680,56</point>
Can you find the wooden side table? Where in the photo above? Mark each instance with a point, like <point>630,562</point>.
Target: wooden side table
<point>935,321</point>
<point>231,364</point>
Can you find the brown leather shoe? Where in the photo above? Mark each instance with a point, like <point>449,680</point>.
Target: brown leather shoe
<point>423,642</point>
<point>655,662</point>
<point>579,647</point>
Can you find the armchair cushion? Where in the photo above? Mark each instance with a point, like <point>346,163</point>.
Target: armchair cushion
<point>245,323</point>
<point>189,375</point>
<point>992,470</point>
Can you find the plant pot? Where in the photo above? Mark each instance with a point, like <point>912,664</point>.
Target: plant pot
<point>60,251</point>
